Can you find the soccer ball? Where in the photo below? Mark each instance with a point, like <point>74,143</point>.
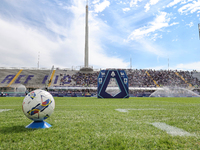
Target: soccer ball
<point>38,105</point>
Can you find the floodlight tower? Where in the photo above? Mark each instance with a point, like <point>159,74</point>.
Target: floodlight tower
<point>86,67</point>
<point>86,37</point>
<point>199,30</point>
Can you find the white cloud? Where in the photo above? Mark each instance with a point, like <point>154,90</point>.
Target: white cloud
<point>188,66</point>
<point>190,7</point>
<point>20,42</point>
<point>125,9</point>
<point>174,23</point>
<point>96,1</point>
<point>190,24</point>
<point>152,2</point>
<point>174,40</point>
<point>99,31</point>
<point>158,68</point>
<point>101,6</point>
<point>147,7</point>
<point>173,3</point>
<point>152,48</point>
<point>161,21</point>
<point>156,36</point>
<point>20,45</point>
<point>134,2</point>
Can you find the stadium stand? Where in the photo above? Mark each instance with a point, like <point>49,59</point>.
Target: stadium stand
<point>196,74</point>
<point>30,78</point>
<point>140,78</point>
<point>142,82</point>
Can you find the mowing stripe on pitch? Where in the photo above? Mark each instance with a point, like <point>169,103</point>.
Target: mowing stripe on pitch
<point>1,110</point>
<point>174,131</point>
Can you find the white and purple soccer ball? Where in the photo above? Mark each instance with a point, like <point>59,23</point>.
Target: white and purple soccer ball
<point>38,105</point>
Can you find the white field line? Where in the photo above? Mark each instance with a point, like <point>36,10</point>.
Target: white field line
<point>174,131</point>
<point>126,110</point>
<point>122,110</point>
<point>1,110</point>
<point>10,105</point>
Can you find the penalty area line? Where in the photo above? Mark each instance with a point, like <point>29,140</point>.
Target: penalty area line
<point>126,110</point>
<point>174,131</point>
<point>122,110</point>
<point>1,110</point>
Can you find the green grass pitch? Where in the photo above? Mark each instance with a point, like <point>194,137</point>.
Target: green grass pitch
<point>91,123</point>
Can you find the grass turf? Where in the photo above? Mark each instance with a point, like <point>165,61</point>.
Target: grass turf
<point>91,123</point>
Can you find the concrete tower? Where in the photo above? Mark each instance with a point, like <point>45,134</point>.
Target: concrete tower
<point>86,67</point>
<point>86,37</point>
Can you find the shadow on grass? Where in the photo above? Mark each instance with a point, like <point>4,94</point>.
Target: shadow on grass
<point>15,129</point>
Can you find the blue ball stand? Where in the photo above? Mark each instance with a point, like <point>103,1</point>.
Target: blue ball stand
<point>38,124</point>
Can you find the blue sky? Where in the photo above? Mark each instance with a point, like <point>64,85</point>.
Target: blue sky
<point>149,32</point>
